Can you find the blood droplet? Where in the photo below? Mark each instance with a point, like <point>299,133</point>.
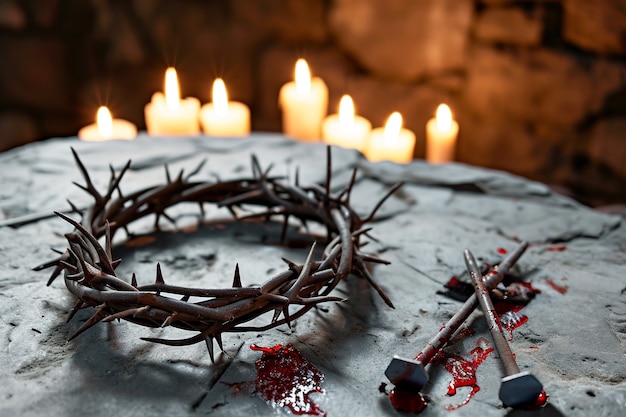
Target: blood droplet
<point>502,251</point>
<point>559,248</point>
<point>542,399</point>
<point>285,379</point>
<point>463,370</point>
<point>407,401</point>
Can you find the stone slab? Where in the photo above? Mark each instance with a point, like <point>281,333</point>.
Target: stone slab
<point>574,340</point>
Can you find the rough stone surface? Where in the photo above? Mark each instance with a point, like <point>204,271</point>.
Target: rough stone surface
<point>508,26</point>
<point>550,88</point>
<point>608,146</point>
<point>597,26</point>
<point>573,342</point>
<point>291,21</point>
<point>34,73</point>
<point>418,38</point>
<point>11,16</point>
<point>16,129</point>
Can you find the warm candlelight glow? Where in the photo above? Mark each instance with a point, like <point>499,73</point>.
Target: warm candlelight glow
<point>443,117</point>
<point>220,97</point>
<point>346,128</point>
<point>391,142</point>
<point>346,113</point>
<point>393,127</point>
<point>104,120</point>
<point>107,128</point>
<point>223,117</point>
<point>172,89</point>
<point>302,78</point>
<point>441,134</point>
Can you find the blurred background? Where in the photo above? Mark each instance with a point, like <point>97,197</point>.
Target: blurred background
<point>537,86</point>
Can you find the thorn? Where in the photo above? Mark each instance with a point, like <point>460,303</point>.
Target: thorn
<point>116,263</point>
<point>107,234</point>
<point>167,174</point>
<point>237,278</point>
<point>218,338</point>
<point>133,280</point>
<point>185,298</point>
<point>159,275</point>
<point>78,306</point>
<point>93,320</point>
<point>209,346</point>
<point>283,230</point>
<point>292,265</point>
<point>287,316</point>
<point>169,319</point>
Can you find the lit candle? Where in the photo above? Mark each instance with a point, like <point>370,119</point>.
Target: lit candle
<point>107,128</point>
<point>168,114</point>
<point>346,129</point>
<point>223,117</point>
<point>391,143</point>
<point>304,103</point>
<point>441,133</point>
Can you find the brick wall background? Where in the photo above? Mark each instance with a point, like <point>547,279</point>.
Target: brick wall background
<point>538,86</point>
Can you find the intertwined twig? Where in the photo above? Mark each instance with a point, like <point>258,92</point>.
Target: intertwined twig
<point>90,267</point>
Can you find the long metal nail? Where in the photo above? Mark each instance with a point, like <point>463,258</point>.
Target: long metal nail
<point>518,389</point>
<point>410,373</point>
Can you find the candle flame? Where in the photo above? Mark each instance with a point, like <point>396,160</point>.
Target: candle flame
<point>172,89</point>
<point>303,78</point>
<point>393,127</point>
<point>346,113</point>
<point>443,117</point>
<point>220,97</point>
<point>104,121</point>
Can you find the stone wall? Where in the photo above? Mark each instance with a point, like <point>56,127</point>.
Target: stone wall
<point>538,86</point>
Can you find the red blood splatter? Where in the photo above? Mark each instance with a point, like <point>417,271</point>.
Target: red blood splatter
<point>463,370</point>
<point>559,248</point>
<point>542,400</point>
<point>562,289</point>
<point>534,347</point>
<point>285,379</point>
<point>408,401</point>
<point>502,251</point>
<point>512,319</point>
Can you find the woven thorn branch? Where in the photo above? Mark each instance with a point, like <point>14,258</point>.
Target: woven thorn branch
<point>90,269</point>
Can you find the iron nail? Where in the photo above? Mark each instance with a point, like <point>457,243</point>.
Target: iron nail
<point>517,389</point>
<point>411,374</point>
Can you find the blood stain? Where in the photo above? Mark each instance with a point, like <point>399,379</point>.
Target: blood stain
<point>407,401</point>
<point>542,400</point>
<point>513,319</point>
<point>558,248</point>
<point>502,251</point>
<point>463,369</point>
<point>562,289</point>
<point>285,379</point>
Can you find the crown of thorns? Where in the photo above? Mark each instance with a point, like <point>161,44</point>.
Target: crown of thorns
<point>90,269</point>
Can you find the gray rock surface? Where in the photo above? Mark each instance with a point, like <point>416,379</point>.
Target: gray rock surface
<point>574,340</point>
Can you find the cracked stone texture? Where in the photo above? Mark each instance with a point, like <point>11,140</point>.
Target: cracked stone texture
<point>574,340</point>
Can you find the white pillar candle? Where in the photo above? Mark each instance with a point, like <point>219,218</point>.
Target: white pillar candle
<point>441,134</point>
<point>223,117</point>
<point>391,143</point>
<point>304,104</point>
<point>107,128</point>
<point>168,114</point>
<point>346,129</point>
